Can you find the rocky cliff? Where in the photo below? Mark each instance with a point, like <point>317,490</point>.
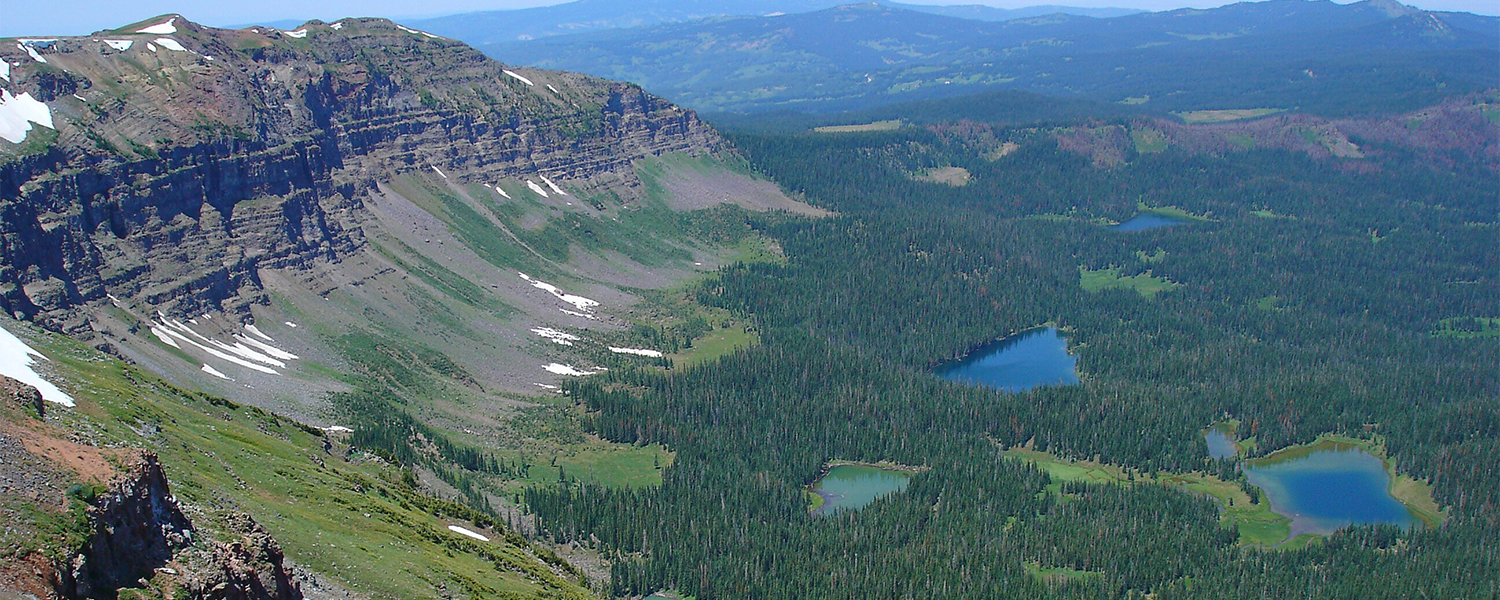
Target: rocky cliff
<point>180,160</point>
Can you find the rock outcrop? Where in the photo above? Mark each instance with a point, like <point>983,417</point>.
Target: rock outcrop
<point>177,175</point>
<point>136,529</point>
<point>250,568</point>
<point>23,395</point>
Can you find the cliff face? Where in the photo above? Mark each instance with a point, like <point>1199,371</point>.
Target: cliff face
<point>176,175</point>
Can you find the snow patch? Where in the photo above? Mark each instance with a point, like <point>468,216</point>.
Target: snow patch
<point>554,90</point>
<point>17,113</point>
<point>461,531</point>
<point>300,33</point>
<point>518,76</point>
<point>291,324</point>
<point>557,337</point>
<point>5,70</point>
<point>561,369</point>
<point>16,363</point>
<point>578,302</point>
<point>150,46</point>
<point>636,351</point>
<point>338,429</point>
<point>238,354</point>
<point>267,348</point>
<point>161,28</point>
<point>336,26</point>
<point>410,30</point>
<point>536,188</point>
<point>552,185</point>
<point>161,334</point>
<point>215,373</point>
<point>170,44</point>
<point>502,192</point>
<point>577,314</point>
<point>32,52</point>
<point>113,299</point>
<point>546,386</point>
<point>255,331</point>
<point>439,171</point>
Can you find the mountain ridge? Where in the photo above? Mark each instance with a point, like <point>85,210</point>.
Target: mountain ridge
<point>1183,58</point>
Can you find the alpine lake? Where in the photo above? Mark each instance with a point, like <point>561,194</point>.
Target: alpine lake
<point>1029,359</point>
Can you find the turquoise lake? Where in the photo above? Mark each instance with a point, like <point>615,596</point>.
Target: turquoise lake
<point>1145,221</point>
<point>851,487</point>
<point>1329,488</point>
<point>1219,444</point>
<point>1018,363</point>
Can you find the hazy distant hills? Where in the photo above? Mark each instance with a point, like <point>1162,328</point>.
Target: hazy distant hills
<point>1313,55</point>
<point>595,15</point>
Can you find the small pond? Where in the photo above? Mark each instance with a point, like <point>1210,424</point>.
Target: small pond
<point>851,487</point>
<point>1327,486</point>
<point>1220,445</point>
<point>1144,221</point>
<point>1018,363</point>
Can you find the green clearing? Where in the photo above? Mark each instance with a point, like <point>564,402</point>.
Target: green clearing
<point>1147,140</point>
<point>889,125</point>
<point>1223,116</point>
<point>1468,327</point>
<point>344,514</point>
<point>1256,524</point>
<point>953,176</point>
<point>720,342</point>
<point>1135,100</point>
<point>1173,212</point>
<point>1145,284</point>
<point>607,464</point>
<point>1152,258</point>
<point>1266,213</point>
<point>1058,574</point>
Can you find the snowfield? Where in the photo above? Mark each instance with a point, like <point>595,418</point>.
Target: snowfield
<point>636,351</point>
<point>17,113</point>
<point>552,185</point>
<point>578,302</point>
<point>536,188</point>
<point>170,44</point>
<point>557,337</point>
<point>215,373</point>
<point>518,76</point>
<point>16,362</point>
<point>32,52</point>
<point>461,531</point>
<point>300,33</point>
<point>161,28</point>
<point>561,369</point>
<point>410,30</point>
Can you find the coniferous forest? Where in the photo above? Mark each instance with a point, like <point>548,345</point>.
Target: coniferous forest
<point>1308,293</point>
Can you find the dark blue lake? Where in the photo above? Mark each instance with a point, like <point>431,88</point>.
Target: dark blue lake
<point>1220,445</point>
<point>1018,363</point>
<point>1332,486</point>
<point>1144,221</point>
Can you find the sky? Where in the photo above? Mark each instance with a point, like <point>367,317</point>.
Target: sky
<point>79,17</point>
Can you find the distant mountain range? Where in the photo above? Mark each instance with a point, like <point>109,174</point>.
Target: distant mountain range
<point>597,15</point>
<point>1312,55</point>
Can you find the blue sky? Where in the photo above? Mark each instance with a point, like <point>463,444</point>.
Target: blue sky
<point>78,17</point>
